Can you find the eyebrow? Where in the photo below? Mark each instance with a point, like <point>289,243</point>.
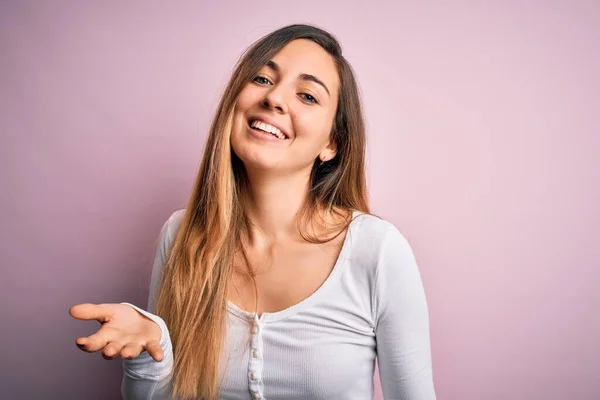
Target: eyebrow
<point>305,77</point>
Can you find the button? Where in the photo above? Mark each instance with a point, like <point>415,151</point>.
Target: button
<point>253,375</point>
<point>254,328</point>
<point>254,353</point>
<point>256,395</point>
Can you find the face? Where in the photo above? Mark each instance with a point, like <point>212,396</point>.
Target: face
<point>283,118</point>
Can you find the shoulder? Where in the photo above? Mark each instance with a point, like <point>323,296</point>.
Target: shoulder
<point>380,255</point>
<point>170,228</point>
<point>373,224</point>
<point>381,251</point>
<point>375,236</point>
<point>174,221</point>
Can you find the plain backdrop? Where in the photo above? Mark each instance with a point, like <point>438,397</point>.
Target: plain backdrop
<point>483,148</point>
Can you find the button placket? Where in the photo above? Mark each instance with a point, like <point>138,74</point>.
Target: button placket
<point>255,362</point>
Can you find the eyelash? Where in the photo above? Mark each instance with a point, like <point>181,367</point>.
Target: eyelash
<point>309,101</point>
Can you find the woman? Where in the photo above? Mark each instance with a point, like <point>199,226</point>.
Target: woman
<point>276,282</point>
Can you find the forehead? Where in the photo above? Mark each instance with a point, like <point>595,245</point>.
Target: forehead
<point>302,56</point>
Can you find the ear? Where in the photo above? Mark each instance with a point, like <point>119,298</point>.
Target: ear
<point>328,152</point>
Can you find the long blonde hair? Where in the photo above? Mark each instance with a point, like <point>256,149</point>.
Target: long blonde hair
<point>192,294</point>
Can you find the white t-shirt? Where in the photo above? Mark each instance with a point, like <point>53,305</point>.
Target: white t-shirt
<point>372,305</point>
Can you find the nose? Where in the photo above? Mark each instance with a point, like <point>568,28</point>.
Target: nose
<point>275,99</point>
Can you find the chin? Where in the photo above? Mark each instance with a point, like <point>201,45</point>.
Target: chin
<point>256,155</point>
<point>257,160</point>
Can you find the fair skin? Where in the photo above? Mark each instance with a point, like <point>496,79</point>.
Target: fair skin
<point>124,331</point>
<point>279,170</point>
<point>288,269</point>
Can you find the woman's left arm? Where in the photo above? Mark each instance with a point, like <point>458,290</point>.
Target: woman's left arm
<point>402,323</point>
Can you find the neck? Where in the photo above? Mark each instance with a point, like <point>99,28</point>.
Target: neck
<point>273,205</point>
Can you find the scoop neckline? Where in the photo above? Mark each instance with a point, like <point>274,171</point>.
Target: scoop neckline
<point>315,296</point>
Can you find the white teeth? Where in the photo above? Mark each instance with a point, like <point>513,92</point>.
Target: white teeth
<point>267,128</point>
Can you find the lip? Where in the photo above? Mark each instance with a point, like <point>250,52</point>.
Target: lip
<point>269,121</point>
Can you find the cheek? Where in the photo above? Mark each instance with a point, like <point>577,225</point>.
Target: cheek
<point>243,101</point>
<point>314,128</point>
<point>237,132</point>
<point>248,98</point>
<point>242,105</point>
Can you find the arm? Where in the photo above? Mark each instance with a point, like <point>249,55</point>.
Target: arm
<point>143,377</point>
<point>402,323</point>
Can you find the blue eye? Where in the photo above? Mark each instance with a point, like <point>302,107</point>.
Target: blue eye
<point>264,82</point>
<point>261,80</point>
<point>309,98</point>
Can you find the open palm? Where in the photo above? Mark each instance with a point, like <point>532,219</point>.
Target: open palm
<point>124,331</point>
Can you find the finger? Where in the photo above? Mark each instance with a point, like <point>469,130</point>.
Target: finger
<point>131,350</point>
<point>112,350</point>
<point>94,342</point>
<point>153,348</point>
<point>87,311</point>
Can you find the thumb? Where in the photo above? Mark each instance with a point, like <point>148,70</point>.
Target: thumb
<point>153,348</point>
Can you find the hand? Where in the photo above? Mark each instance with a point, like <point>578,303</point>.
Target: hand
<point>124,331</point>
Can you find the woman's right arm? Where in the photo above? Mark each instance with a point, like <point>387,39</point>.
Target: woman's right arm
<point>143,377</point>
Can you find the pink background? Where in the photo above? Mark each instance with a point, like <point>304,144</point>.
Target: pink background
<point>483,150</point>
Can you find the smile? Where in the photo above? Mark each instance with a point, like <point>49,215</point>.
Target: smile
<point>266,130</point>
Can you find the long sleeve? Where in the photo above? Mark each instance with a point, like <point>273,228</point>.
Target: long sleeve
<point>402,323</point>
<point>143,377</point>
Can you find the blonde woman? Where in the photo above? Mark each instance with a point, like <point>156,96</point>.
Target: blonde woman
<point>275,282</point>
